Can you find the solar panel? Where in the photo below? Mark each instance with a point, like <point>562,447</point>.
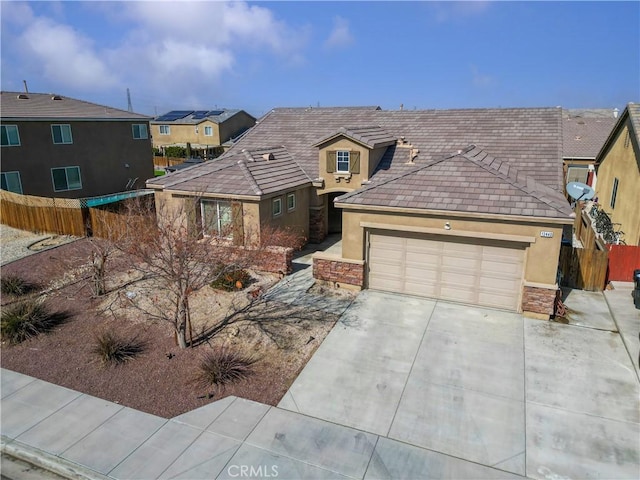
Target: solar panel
<point>174,115</point>
<point>199,114</point>
<point>214,113</point>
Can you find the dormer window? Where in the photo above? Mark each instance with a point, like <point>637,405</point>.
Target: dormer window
<point>342,161</point>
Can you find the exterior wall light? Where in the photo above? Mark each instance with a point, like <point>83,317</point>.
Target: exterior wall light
<point>447,226</point>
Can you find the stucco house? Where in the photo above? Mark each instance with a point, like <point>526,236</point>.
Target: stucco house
<point>618,166</point>
<point>55,146</point>
<point>205,131</point>
<point>463,205</point>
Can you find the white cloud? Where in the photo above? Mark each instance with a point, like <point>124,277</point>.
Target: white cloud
<point>66,56</point>
<point>340,35</point>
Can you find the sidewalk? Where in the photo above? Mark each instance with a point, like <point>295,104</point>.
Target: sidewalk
<point>85,437</point>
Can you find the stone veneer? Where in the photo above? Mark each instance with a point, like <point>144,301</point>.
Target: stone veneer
<point>539,300</point>
<point>316,225</point>
<point>339,271</point>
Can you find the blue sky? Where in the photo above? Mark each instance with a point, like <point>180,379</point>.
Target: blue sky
<point>260,55</point>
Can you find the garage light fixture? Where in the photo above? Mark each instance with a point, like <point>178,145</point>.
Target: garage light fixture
<point>447,226</point>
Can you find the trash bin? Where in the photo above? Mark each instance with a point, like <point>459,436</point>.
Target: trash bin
<point>636,290</point>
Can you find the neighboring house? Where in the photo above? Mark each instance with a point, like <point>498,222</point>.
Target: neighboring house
<point>55,146</point>
<point>584,132</point>
<point>618,166</point>
<point>463,205</point>
<point>205,131</point>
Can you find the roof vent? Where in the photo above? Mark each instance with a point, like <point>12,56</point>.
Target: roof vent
<point>615,113</point>
<point>56,97</point>
<point>268,156</point>
<point>23,96</point>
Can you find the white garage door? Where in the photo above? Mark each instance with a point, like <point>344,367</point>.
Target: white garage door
<point>476,271</point>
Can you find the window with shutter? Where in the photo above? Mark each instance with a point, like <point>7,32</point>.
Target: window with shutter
<point>342,161</point>
<point>331,161</point>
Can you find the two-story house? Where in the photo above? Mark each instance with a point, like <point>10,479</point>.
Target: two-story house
<point>204,131</point>
<point>56,146</point>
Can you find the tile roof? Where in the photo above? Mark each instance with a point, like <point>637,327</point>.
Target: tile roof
<point>255,173</point>
<point>37,106</point>
<point>583,135</point>
<point>634,115</point>
<point>469,181</point>
<point>530,137</point>
<point>371,137</point>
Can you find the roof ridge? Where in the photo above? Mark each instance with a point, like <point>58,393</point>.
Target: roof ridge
<point>507,171</point>
<point>242,163</point>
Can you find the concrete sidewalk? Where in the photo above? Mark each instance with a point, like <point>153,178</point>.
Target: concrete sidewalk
<point>85,437</point>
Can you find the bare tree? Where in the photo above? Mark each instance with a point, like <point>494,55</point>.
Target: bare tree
<point>178,254</point>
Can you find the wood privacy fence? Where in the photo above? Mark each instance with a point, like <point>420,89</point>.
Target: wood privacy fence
<point>583,268</point>
<point>60,216</point>
<point>623,260</point>
<point>162,162</point>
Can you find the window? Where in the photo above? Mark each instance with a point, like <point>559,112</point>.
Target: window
<point>342,161</point>
<point>291,201</point>
<point>11,182</point>
<point>277,207</point>
<point>577,174</point>
<point>140,131</point>
<point>208,131</point>
<point>10,136</point>
<point>165,130</point>
<point>614,193</point>
<point>66,178</point>
<point>61,134</point>
<point>216,217</point>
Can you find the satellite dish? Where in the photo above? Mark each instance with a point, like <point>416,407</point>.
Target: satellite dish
<point>580,191</point>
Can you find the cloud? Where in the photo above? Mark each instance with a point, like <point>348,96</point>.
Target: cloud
<point>173,51</point>
<point>340,35</point>
<point>65,55</point>
<point>479,79</point>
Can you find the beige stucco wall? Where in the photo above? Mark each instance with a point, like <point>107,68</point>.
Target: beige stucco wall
<point>541,256</point>
<point>186,134</point>
<point>621,161</point>
<point>298,218</point>
<point>334,182</point>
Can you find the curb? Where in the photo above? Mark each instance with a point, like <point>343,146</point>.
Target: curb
<point>47,461</point>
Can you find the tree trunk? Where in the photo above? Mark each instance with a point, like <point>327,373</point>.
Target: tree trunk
<point>181,321</point>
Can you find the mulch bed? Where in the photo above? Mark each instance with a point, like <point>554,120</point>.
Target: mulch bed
<point>161,379</point>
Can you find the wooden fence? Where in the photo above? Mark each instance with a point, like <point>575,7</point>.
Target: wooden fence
<point>162,162</point>
<point>583,268</point>
<point>61,216</point>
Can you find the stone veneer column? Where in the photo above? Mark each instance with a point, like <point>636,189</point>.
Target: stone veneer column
<point>539,300</point>
<point>317,225</point>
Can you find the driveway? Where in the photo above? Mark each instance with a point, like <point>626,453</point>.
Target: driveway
<point>491,387</point>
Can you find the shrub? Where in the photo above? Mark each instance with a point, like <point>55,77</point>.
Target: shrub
<point>114,350</point>
<point>26,319</point>
<point>15,285</point>
<point>232,280</point>
<point>220,367</point>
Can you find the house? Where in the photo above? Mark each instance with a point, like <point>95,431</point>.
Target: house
<point>584,132</point>
<point>618,167</point>
<point>204,131</point>
<point>463,205</point>
<point>56,146</point>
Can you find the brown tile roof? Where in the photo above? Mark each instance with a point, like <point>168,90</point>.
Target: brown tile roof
<point>530,137</point>
<point>371,137</point>
<point>634,115</point>
<point>254,173</point>
<point>470,181</point>
<point>38,106</point>
<point>583,135</point>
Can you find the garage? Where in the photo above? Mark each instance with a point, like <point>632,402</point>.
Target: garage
<point>468,270</point>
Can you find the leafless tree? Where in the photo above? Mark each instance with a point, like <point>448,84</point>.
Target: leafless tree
<point>177,255</point>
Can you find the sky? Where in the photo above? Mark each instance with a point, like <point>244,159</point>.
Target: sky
<point>257,56</point>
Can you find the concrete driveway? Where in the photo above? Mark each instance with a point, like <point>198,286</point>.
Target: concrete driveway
<point>493,388</point>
